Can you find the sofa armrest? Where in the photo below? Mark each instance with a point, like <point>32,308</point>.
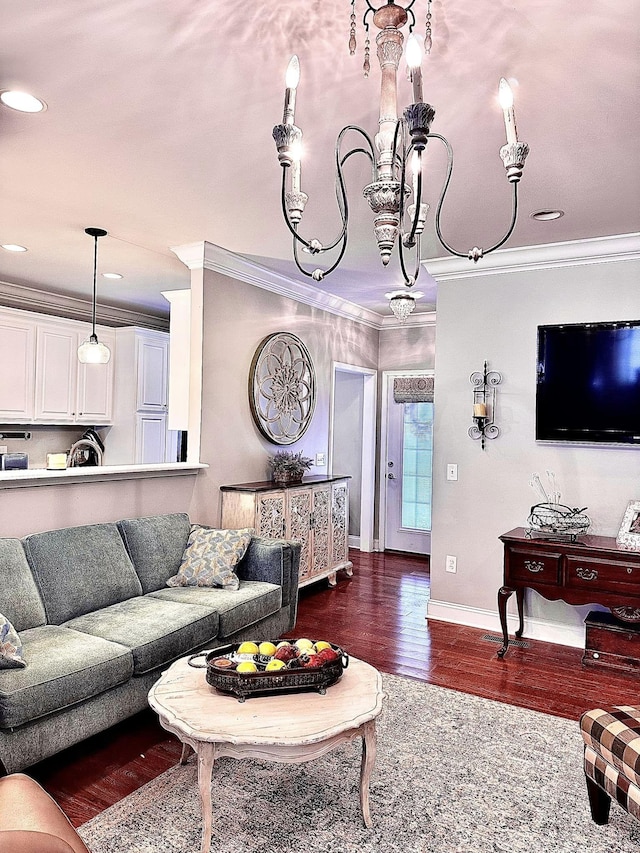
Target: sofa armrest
<point>275,561</point>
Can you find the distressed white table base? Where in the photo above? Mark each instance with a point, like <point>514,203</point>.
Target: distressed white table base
<point>215,725</point>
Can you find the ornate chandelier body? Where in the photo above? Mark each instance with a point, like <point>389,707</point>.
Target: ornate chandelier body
<point>394,155</point>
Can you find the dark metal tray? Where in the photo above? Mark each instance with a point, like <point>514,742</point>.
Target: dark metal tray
<point>247,684</point>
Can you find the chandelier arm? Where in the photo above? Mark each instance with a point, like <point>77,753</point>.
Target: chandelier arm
<point>514,217</point>
<point>401,211</point>
<point>371,154</point>
<point>418,199</point>
<point>324,272</point>
<point>472,253</point>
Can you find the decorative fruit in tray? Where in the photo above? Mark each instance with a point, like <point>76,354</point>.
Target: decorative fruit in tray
<point>266,656</point>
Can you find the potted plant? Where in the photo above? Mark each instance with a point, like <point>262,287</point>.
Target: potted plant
<point>289,467</point>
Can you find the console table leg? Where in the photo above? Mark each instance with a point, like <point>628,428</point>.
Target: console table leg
<point>504,593</point>
<point>520,602</point>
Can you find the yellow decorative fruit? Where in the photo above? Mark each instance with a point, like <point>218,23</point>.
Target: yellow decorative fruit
<point>303,644</point>
<point>322,644</point>
<point>246,666</point>
<point>247,648</point>
<point>275,664</point>
<point>267,648</point>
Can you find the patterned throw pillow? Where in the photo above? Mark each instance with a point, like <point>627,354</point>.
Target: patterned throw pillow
<point>211,556</point>
<point>10,645</point>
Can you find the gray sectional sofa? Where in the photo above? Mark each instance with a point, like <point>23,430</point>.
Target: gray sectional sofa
<point>98,623</point>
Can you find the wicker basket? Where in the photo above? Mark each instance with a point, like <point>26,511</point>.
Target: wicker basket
<point>287,478</point>
<point>246,684</point>
<point>558,521</point>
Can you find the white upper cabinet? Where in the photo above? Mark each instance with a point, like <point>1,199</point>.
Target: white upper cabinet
<point>152,362</point>
<point>45,383</point>
<point>18,367</point>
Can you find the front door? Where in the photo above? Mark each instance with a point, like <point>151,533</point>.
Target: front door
<point>407,469</point>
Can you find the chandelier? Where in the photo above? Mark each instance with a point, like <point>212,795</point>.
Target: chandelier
<point>395,156</point>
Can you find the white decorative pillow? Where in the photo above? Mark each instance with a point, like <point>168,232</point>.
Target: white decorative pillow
<point>10,646</point>
<point>211,556</point>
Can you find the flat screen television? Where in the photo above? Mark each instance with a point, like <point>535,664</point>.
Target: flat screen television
<point>588,383</point>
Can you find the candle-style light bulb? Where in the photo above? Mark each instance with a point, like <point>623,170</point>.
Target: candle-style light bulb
<point>505,97</point>
<point>414,61</point>
<point>292,78</point>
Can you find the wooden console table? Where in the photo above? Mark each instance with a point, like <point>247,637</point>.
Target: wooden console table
<point>592,570</point>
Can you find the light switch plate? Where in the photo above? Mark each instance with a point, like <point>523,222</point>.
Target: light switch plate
<point>452,471</point>
<point>321,459</point>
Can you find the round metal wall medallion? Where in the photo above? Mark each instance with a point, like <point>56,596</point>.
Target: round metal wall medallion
<point>282,388</point>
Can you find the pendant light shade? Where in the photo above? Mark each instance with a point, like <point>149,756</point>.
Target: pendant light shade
<point>92,351</point>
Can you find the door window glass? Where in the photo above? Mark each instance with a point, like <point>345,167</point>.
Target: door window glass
<point>417,446</point>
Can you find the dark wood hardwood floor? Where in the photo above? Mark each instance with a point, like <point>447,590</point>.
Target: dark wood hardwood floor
<point>379,616</point>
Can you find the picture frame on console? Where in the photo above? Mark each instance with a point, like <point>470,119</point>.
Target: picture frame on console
<point>629,534</point>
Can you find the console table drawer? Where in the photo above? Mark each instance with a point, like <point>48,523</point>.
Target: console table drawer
<point>614,575</point>
<point>533,567</point>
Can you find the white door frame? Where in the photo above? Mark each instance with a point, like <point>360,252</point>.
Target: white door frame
<point>387,378</point>
<point>368,490</point>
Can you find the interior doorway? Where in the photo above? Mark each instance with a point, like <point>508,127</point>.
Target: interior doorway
<point>352,449</point>
<point>406,466</point>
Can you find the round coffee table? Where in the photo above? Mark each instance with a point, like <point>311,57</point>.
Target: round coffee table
<point>289,728</point>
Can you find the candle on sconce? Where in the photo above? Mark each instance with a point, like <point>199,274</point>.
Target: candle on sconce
<point>292,78</point>
<point>414,61</point>
<point>505,96</point>
<point>296,169</point>
<point>479,410</point>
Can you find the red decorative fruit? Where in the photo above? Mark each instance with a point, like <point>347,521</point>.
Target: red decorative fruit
<point>286,653</point>
<point>313,661</point>
<point>327,655</point>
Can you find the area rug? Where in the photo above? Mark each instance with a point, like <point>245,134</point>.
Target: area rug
<point>453,774</point>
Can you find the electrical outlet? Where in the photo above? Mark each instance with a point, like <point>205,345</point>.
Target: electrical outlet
<point>451,564</point>
<point>452,471</point>
<point>321,459</point>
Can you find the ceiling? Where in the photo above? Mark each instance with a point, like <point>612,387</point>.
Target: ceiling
<point>160,113</point>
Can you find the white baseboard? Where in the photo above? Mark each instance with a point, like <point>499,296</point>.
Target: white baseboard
<point>354,542</point>
<point>534,629</point>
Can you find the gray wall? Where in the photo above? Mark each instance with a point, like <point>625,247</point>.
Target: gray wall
<point>237,316</point>
<point>347,439</point>
<point>495,318</point>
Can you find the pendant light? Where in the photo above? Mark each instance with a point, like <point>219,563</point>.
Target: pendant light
<point>92,351</point>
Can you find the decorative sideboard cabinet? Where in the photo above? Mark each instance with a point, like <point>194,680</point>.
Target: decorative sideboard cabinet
<point>315,511</point>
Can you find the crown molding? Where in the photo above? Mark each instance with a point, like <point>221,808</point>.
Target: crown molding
<point>597,250</point>
<point>205,255</point>
<point>71,308</point>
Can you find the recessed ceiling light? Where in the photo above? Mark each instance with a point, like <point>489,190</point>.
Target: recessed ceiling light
<point>22,101</point>
<point>546,215</point>
<point>13,247</point>
<point>111,275</point>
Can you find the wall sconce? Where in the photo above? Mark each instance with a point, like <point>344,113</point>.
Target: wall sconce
<point>484,404</point>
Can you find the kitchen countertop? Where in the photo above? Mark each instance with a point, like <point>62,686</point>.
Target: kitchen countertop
<point>46,477</point>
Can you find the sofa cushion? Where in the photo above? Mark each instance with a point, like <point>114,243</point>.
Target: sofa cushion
<point>19,597</point>
<point>237,610</point>
<point>80,569</point>
<point>64,668</point>
<point>157,632</point>
<point>155,545</point>
<point>211,556</point>
<point>11,655</point>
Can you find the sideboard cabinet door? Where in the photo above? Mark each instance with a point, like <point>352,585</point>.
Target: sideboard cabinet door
<point>316,514</point>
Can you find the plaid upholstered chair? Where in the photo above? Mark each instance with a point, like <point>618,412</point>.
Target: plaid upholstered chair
<point>612,759</point>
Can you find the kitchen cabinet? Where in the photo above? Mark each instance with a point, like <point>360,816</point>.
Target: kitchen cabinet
<point>46,383</point>
<point>139,433</point>
<point>316,512</point>
<point>17,377</point>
